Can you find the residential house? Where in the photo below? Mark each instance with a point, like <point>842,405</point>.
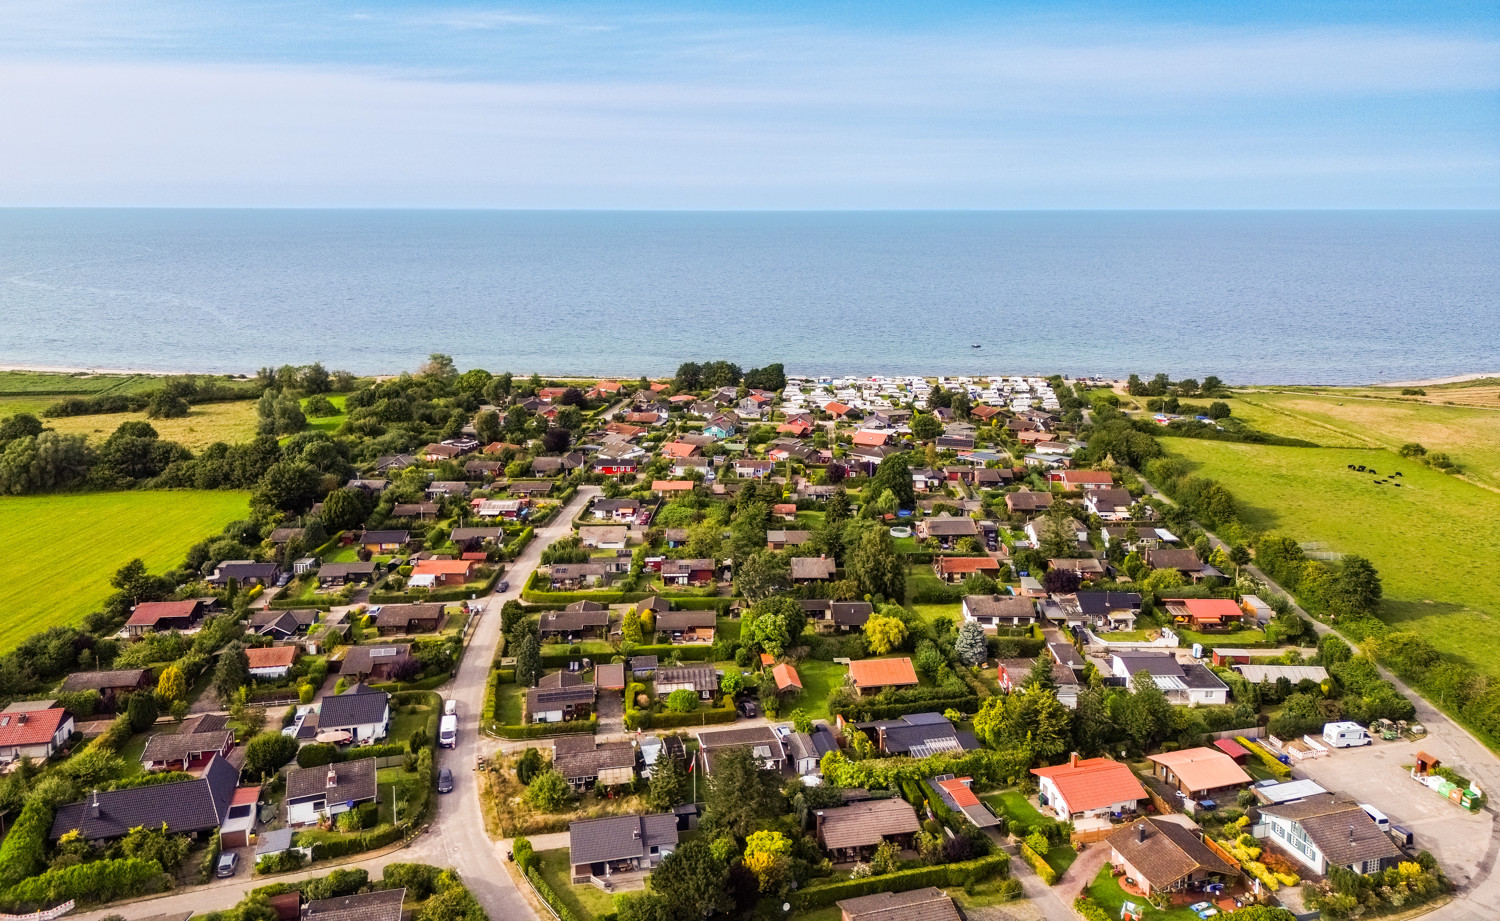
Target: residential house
<point>780,540</point>
<point>560,697</point>
<point>1326,830</point>
<point>753,469</point>
<point>872,437</point>
<point>440,488</point>
<point>702,680</point>
<point>423,511</point>
<point>1296,674</point>
<point>491,469</point>
<point>271,663</point>
<point>917,735</point>
<point>362,712</point>
<point>385,542</point>
<point>617,460</point>
<point>676,537</point>
<point>1088,568</point>
<point>337,574</point>
<point>992,612</point>
<point>374,663</point>
<point>853,832</point>
<point>603,537</point>
<point>317,793</point>
<point>1109,503</point>
<point>723,425</point>
<point>162,616</point>
<point>387,463</point>
<point>837,616</point>
<point>584,762</point>
<point>948,531</point>
<point>435,573</point>
<point>473,540</point>
<point>1025,502</point>
<point>955,443</point>
<point>687,572</point>
<point>993,477</point>
<point>1182,682</point>
<point>1161,856</point>
<point>1083,479</point>
<point>245,573</point>
<point>1184,561</point>
<point>113,685</point>
<point>1036,528</point>
<point>687,627</point>
<point>680,450</point>
<point>616,509</point>
<point>807,569</point>
<point>871,676</point>
<point>1116,610</point>
<point>573,576</point>
<point>441,451</point>
<point>408,619</point>
<point>34,734</point>
<point>670,488</point>
<point>286,535</point>
<point>530,490</point>
<point>958,568</point>
<point>643,666</point>
<point>187,807</point>
<point>382,905</point>
<point>600,848</point>
<point>762,741</point>
<point>1088,787</point>
<point>1201,774</point>
<point>929,904</point>
<point>1205,614</point>
<point>805,750</point>
<point>579,620</point>
<point>865,458</point>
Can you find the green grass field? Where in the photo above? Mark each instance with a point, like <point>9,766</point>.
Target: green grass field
<point>586,902</point>
<point>1433,539</point>
<point>205,424</point>
<point>819,678</point>
<point>329,424</point>
<point>62,550</point>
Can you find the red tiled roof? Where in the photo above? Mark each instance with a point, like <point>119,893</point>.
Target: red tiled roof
<point>1231,748</point>
<point>867,437</point>
<point>35,727</point>
<point>767,660</point>
<point>784,508</point>
<point>270,656</point>
<point>671,485</point>
<point>1087,476</point>
<point>1212,609</point>
<point>786,677</point>
<point>879,673</point>
<point>956,788</point>
<point>442,567</point>
<point>149,612</point>
<point>678,449</point>
<point>835,407</point>
<point>245,796</point>
<point>1094,783</point>
<point>968,564</point>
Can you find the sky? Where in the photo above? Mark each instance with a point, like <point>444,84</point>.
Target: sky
<point>766,105</point>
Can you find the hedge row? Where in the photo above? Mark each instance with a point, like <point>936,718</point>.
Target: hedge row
<point>24,852</point>
<point>558,656</point>
<point>963,703</point>
<point>1273,765</point>
<point>1090,910</point>
<point>645,719</point>
<point>429,683</point>
<point>526,859</point>
<point>461,593</point>
<point>942,876</point>
<point>514,547</point>
<point>543,730</point>
<point>1039,864</point>
<point>356,844</point>
<point>321,753</point>
<point>88,883</point>
<point>297,604</point>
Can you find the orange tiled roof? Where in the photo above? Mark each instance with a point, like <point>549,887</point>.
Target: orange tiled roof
<point>1093,783</point>
<point>786,676</point>
<point>968,564</point>
<point>442,567</point>
<point>879,673</point>
<point>956,788</point>
<point>678,449</point>
<point>869,438</point>
<point>270,656</point>
<point>1203,768</point>
<point>671,485</point>
<point>1213,609</point>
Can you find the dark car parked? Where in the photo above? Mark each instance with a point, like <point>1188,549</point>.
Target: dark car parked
<point>445,780</point>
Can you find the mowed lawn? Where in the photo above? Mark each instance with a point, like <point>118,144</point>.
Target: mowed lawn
<point>1433,539</point>
<point>62,550</point>
<point>205,424</point>
<point>1468,434</point>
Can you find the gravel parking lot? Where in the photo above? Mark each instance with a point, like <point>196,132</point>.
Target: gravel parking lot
<point>1376,774</point>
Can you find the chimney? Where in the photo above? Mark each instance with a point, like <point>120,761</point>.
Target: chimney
<point>93,809</point>
<point>1140,832</point>
<point>1351,834</point>
<point>1073,760</point>
<point>21,718</point>
<point>333,777</point>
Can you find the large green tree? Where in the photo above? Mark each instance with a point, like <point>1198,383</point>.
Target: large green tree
<point>232,673</point>
<point>762,574</point>
<point>742,796</point>
<point>872,563</point>
<point>894,474</point>
<point>669,783</point>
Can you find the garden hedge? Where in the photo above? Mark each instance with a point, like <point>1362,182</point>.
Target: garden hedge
<point>963,703</point>
<point>942,876</point>
<point>543,730</point>
<point>1281,771</point>
<point>88,883</point>
<point>645,719</point>
<point>1090,910</point>
<point>356,844</point>
<point>1039,864</point>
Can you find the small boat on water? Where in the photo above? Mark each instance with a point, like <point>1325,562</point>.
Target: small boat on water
<point>976,346</point>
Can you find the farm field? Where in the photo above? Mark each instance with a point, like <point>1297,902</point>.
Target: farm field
<point>62,550</point>
<point>205,424</point>
<point>1432,539</point>
<point>1469,434</point>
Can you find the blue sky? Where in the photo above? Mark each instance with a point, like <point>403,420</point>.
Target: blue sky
<point>750,105</point>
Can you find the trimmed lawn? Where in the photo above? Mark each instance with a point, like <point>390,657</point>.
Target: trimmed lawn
<point>204,424</point>
<point>932,613</point>
<point>586,902</point>
<point>1060,857</point>
<point>51,579</point>
<point>819,678</point>
<point>1105,890</point>
<point>1248,636</point>
<point>403,724</point>
<point>1441,584</point>
<point>1014,805</point>
<point>328,424</point>
<point>919,577</point>
<point>508,704</point>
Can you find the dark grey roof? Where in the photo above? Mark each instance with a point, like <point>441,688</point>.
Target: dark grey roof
<point>358,706</point>
<point>106,680</point>
<point>463,534</point>
<point>641,663</point>
<point>668,622</point>
<point>402,615</point>
<point>1000,606</point>
<point>701,677</point>
<point>361,660</point>
<point>346,570</point>
<point>354,781</point>
<point>572,621</point>
<point>182,746</point>
<point>930,904</point>
<point>1344,832</point>
<point>560,688</point>
<point>584,762</point>
<point>381,905</point>
<point>186,806</point>
<point>685,567</point>
<point>619,837</point>
<point>1099,604</point>
<point>852,613</point>
<point>385,537</point>
<point>1158,664</point>
<point>944,526</point>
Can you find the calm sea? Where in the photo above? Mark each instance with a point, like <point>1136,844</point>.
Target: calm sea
<point>1327,297</point>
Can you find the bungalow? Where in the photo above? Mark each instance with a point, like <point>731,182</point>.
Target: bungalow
<point>1324,831</point>
<point>584,762</point>
<point>682,466</point>
<point>34,734</point>
<point>687,627</point>
<point>1184,561</point>
<point>1083,479</point>
<point>837,616</point>
<point>434,453</point>
<point>573,576</point>
<point>1116,610</point>
<point>389,462</point>
<point>958,568</point>
<point>805,750</point>
<point>786,511</point>
<point>807,569</point>
<point>762,741</point>
<point>992,477</point>
<point>1087,568</point>
<point>441,488</point>
<point>598,848</point>
<point>1036,528</point>
<point>780,540</point>
<point>1200,774</point>
<point>1025,501</point>
<point>618,460</point>
<point>271,662</point>
<point>361,713</point>
<point>702,680</point>
<point>488,469</point>
<point>948,531</point>
<point>372,486</point>
<point>753,469</point>
<point>1088,787</point>
<point>865,458</point>
<point>917,735</point>
<point>873,437</point>
<point>376,663</point>
<point>546,466</point>
<point>603,537</point>
<point>853,832</point>
<point>509,509</point>
<point>332,574</point>
<point>1160,855</point>
<point>680,450</point>
<point>113,685</point>
<point>616,509</point>
<point>408,619</point>
<point>162,616</point>
<point>186,807</point>
<point>675,537</point>
<point>797,428</point>
<point>317,793</point>
<point>992,612</point>
<point>560,697</point>
<point>195,743</point>
<point>1296,674</point>
<point>422,511</point>
<point>925,479</point>
<point>579,620</point>
<point>385,541</point>
<point>286,535</point>
<point>1109,504</point>
<point>1205,614</point>
<point>955,443</point>
<point>443,573</point>
<point>871,676</point>
<point>836,409</point>
<point>929,904</point>
<point>1183,683</point>
<point>687,572</point>
<point>472,540</point>
<point>530,490</point>
<point>670,488</point>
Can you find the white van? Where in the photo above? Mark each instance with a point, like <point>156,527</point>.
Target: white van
<point>1383,823</point>
<point>1345,734</point>
<point>448,731</point>
<point>450,707</point>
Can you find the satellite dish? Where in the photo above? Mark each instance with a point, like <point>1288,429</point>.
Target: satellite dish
<point>786,906</point>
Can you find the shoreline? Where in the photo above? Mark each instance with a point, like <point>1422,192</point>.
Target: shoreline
<point>157,372</point>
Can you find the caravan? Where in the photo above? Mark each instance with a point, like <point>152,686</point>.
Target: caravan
<point>1345,734</point>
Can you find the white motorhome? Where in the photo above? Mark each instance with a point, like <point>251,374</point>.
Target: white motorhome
<point>1345,734</point>
<point>1381,822</point>
<point>448,731</point>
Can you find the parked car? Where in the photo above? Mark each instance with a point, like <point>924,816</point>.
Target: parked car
<point>445,781</point>
<point>748,710</point>
<point>504,586</point>
<point>228,863</point>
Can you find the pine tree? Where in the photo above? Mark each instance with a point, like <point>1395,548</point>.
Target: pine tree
<point>668,783</point>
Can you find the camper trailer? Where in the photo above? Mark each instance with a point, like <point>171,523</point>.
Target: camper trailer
<point>1345,734</point>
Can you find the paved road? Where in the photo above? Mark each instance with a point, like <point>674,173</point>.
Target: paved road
<point>456,837</point>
